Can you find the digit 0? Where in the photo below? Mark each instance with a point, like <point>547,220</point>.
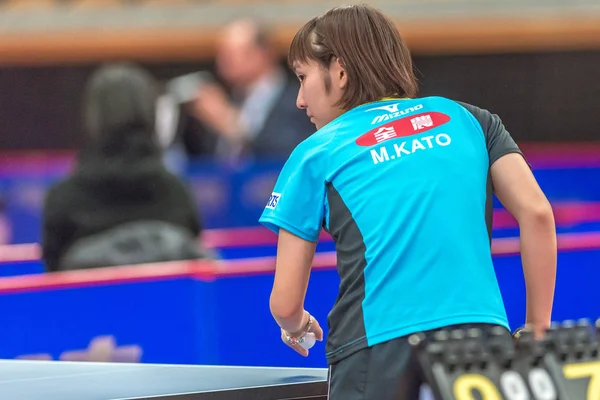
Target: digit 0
<point>542,385</point>
<point>513,386</point>
<point>466,385</point>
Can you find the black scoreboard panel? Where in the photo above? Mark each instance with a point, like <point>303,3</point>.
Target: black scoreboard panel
<point>476,364</point>
<point>575,351</point>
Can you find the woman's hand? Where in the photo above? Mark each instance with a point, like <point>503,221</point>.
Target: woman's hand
<point>291,338</point>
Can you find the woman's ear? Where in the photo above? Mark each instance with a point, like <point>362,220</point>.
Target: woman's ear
<point>341,74</point>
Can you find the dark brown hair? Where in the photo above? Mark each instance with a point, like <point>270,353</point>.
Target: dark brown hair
<point>369,48</point>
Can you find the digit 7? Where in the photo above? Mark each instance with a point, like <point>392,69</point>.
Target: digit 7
<point>585,370</point>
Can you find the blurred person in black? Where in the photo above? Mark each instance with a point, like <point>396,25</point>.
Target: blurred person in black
<point>120,205</point>
<point>259,120</point>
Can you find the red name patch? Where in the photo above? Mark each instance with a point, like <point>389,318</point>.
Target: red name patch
<point>403,127</point>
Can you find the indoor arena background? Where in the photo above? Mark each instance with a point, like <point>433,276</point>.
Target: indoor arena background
<point>536,64</point>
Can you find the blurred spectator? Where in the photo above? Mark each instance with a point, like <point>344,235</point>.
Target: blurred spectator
<point>260,118</point>
<point>121,205</point>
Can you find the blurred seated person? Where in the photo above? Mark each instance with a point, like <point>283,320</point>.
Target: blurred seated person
<point>256,117</point>
<point>120,206</point>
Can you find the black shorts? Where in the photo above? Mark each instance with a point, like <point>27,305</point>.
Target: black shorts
<point>385,371</point>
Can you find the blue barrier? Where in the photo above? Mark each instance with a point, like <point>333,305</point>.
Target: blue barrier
<point>177,315</point>
<point>21,268</point>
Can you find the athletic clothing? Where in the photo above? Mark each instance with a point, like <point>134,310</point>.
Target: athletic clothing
<point>387,371</point>
<point>403,188</point>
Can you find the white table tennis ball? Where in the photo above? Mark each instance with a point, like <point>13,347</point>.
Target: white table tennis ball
<point>309,341</point>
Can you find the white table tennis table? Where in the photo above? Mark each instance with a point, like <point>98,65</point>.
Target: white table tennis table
<point>57,380</point>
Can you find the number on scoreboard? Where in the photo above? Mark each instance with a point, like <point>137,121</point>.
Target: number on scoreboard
<point>480,365</point>
<point>574,348</point>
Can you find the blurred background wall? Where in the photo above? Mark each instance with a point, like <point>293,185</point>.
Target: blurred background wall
<point>534,63</point>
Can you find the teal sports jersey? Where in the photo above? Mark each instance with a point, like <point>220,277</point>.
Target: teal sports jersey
<point>403,188</point>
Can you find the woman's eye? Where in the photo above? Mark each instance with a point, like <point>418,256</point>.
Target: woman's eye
<point>301,78</point>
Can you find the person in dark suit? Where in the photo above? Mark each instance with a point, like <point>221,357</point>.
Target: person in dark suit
<point>260,119</point>
<point>120,205</point>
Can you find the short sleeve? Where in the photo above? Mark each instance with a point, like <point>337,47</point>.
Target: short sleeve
<point>498,140</point>
<point>298,200</point>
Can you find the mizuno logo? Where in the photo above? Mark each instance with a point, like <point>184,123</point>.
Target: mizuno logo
<point>393,112</point>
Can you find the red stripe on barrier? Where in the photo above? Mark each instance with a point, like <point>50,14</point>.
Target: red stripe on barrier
<point>238,237</point>
<point>245,237</point>
<point>212,238</point>
<point>562,155</point>
<point>209,271</point>
<point>14,253</point>
<point>566,242</point>
<point>566,215</point>
<point>41,162</point>
<point>205,271</point>
<point>244,267</point>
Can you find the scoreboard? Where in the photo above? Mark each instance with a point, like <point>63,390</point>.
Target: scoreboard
<point>477,364</point>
